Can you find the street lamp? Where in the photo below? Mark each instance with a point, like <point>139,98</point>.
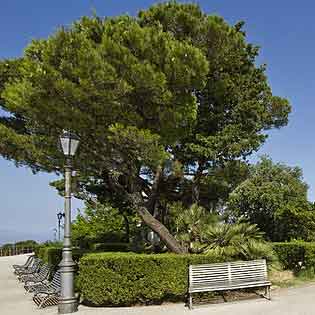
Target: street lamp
<point>60,215</point>
<point>67,301</point>
<point>153,238</point>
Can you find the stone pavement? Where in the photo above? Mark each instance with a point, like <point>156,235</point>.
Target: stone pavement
<point>294,301</point>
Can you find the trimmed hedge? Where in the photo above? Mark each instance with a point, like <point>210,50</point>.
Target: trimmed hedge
<point>294,255</point>
<point>129,278</point>
<point>50,255</point>
<point>53,255</point>
<point>111,247</point>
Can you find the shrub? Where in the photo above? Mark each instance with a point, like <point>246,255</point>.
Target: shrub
<point>53,255</point>
<point>309,259</point>
<point>239,241</point>
<point>129,278</point>
<point>297,254</point>
<point>111,247</point>
<point>50,255</point>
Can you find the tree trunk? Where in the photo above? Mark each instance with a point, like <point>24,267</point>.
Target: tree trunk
<point>195,189</point>
<point>127,228</point>
<point>136,201</point>
<point>161,230</point>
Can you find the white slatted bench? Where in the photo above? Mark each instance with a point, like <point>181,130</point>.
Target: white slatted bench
<point>228,276</point>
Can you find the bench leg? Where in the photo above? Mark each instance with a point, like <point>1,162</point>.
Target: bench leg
<point>190,301</point>
<point>267,292</point>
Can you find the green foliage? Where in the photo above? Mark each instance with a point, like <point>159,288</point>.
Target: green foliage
<point>173,90</point>
<point>296,255</point>
<point>290,254</point>
<point>275,198</point>
<point>240,240</point>
<point>233,104</point>
<point>27,243</point>
<point>188,224</point>
<point>72,75</point>
<point>111,247</point>
<point>202,232</point>
<point>9,71</point>
<point>21,244</point>
<point>127,279</point>
<point>53,255</point>
<point>50,255</point>
<point>98,224</point>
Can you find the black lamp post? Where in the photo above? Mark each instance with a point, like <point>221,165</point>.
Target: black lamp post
<point>67,302</point>
<point>60,215</point>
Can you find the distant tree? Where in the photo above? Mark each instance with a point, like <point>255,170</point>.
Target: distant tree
<point>275,198</point>
<point>99,224</point>
<point>7,245</point>
<point>160,102</point>
<point>27,243</point>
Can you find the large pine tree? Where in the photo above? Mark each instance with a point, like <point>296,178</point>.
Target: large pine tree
<point>171,93</point>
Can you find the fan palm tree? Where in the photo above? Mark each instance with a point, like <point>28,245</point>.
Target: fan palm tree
<point>189,223</point>
<point>237,241</point>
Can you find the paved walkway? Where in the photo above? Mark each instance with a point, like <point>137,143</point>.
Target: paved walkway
<point>297,301</point>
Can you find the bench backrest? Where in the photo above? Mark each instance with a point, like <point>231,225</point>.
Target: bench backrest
<point>56,281</point>
<point>44,270</point>
<point>29,261</point>
<point>37,262</point>
<point>230,272</point>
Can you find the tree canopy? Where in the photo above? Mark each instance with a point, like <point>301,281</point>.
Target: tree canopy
<point>98,224</point>
<point>275,198</point>
<point>160,101</point>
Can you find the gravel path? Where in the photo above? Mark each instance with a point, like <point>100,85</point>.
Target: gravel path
<point>295,301</point>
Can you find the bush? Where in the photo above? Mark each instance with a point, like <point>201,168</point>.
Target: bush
<point>111,247</point>
<point>297,254</point>
<point>53,255</point>
<point>129,278</point>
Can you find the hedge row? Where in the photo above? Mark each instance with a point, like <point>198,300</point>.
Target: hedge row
<point>111,247</point>
<point>52,255</point>
<point>294,255</point>
<point>128,278</point>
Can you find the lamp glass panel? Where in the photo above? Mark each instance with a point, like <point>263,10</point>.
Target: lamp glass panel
<point>73,146</point>
<point>65,144</point>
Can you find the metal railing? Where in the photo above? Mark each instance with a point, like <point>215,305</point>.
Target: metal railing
<point>12,251</point>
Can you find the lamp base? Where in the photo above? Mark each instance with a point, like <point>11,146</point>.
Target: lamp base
<point>67,306</point>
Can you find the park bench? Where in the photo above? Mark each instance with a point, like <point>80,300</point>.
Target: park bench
<point>41,275</point>
<point>228,276</point>
<point>33,268</point>
<point>25,266</point>
<point>46,294</point>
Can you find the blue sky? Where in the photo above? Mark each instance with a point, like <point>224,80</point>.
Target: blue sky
<point>284,30</point>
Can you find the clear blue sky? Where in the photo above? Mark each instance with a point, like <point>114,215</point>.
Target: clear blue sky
<point>285,31</point>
